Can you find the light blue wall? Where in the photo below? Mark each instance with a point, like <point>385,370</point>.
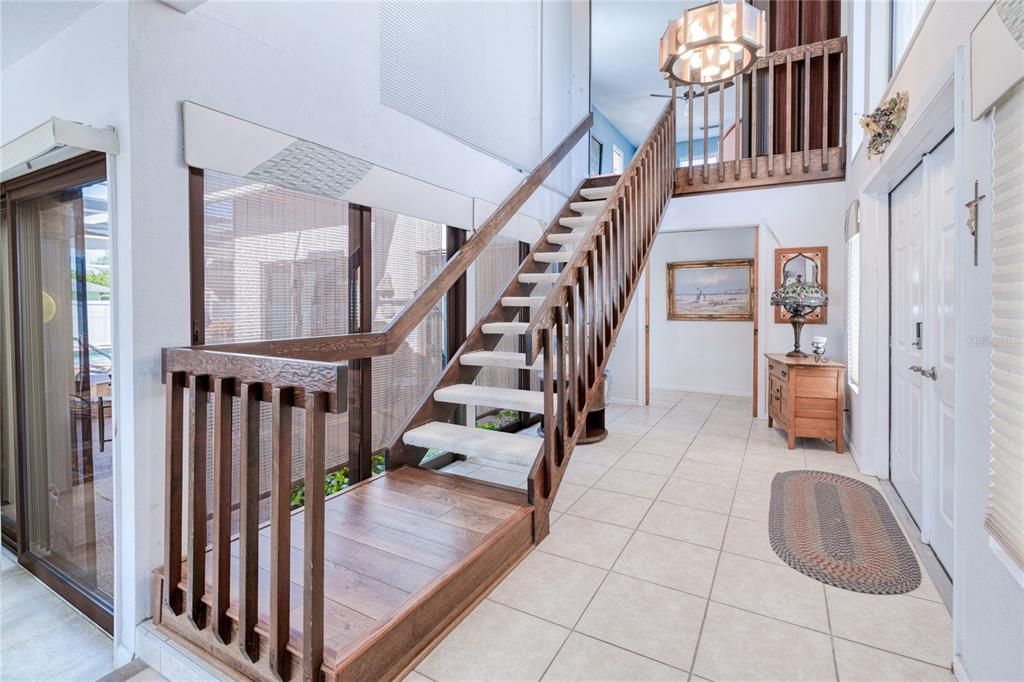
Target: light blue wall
<point>609,135</point>
<point>698,150</point>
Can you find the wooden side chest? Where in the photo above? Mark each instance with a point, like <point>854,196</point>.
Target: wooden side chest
<point>806,398</point>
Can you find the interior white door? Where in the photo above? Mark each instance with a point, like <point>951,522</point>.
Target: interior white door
<point>939,345</point>
<point>906,209</point>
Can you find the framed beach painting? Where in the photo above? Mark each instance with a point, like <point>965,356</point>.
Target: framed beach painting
<point>711,290</point>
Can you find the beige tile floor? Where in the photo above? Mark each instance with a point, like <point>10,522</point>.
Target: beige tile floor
<point>44,638</point>
<point>658,566</point>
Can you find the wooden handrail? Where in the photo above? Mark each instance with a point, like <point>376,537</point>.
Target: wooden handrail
<point>340,348</point>
<point>543,317</point>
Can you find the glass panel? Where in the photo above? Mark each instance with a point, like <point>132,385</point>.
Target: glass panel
<point>8,480</point>
<point>64,297</point>
<point>407,253</point>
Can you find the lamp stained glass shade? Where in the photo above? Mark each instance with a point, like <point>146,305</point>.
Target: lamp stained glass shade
<point>799,297</point>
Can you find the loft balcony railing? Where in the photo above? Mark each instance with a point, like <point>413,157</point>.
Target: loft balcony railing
<point>789,122</point>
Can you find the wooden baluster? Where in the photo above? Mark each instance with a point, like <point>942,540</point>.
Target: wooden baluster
<point>824,106</point>
<point>173,474</point>
<point>595,303</point>
<point>249,513</point>
<point>721,130</point>
<point>704,96</point>
<point>623,245</point>
<point>570,388</point>
<point>770,106</point>
<point>581,287</point>
<point>549,414</point>
<point>842,105</point>
<point>563,433</point>
<point>789,113</point>
<point>223,394</point>
<point>198,397</point>
<point>754,123</point>
<point>280,531</point>
<point>807,110</point>
<point>689,140</point>
<point>612,280</point>
<point>606,285</point>
<point>313,541</point>
<point>737,84</point>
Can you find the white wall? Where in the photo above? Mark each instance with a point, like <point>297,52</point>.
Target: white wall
<point>988,602</point>
<point>699,355</point>
<point>799,215</point>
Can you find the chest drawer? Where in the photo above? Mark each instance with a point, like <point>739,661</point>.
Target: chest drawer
<point>778,371</point>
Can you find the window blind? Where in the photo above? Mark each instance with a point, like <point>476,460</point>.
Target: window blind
<point>407,253</point>
<point>1005,515</point>
<point>469,69</point>
<point>853,309</point>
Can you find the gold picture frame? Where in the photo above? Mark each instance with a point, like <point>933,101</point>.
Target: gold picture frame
<point>717,290</point>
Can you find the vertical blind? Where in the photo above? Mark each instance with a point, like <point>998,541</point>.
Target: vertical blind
<point>1005,517</point>
<point>853,293</point>
<point>492,272</point>
<point>276,266</point>
<point>407,253</point>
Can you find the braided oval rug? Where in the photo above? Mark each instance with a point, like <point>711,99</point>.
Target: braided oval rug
<point>840,531</point>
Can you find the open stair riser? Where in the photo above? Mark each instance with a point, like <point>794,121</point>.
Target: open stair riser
<point>483,338</point>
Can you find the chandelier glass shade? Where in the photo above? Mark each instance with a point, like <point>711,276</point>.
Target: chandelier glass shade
<point>712,43</point>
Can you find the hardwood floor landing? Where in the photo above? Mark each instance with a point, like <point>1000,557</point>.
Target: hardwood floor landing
<point>402,545</point>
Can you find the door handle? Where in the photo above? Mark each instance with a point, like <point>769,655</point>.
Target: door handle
<point>930,373</point>
<point>915,368</point>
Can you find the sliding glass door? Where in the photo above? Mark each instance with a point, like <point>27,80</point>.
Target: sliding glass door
<point>63,364</point>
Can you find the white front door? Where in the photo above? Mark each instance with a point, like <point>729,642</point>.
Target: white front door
<point>923,213</point>
<point>906,210</point>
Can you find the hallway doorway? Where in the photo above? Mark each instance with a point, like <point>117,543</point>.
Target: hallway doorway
<point>922,362</point>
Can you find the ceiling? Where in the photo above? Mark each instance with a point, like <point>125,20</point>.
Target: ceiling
<point>624,69</point>
<point>27,24</point>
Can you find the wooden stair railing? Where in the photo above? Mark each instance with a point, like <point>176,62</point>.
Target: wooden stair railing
<point>307,374</point>
<point>600,241</point>
<point>574,330</point>
<point>804,82</point>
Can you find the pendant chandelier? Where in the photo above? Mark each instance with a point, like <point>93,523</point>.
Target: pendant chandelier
<point>712,43</point>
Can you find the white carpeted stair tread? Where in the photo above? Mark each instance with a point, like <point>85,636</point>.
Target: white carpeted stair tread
<point>597,192</point>
<point>512,448</point>
<point>499,358</point>
<point>539,277</point>
<point>565,237</point>
<point>521,301</point>
<point>587,207</point>
<point>504,327</point>
<point>492,396</point>
<point>577,222</point>
<point>553,256</point>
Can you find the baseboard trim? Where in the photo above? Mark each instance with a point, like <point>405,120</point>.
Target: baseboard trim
<point>959,670</point>
<point>694,389</point>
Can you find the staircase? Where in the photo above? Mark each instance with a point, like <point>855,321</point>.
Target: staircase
<point>360,583</point>
<point>558,246</point>
<point>563,309</point>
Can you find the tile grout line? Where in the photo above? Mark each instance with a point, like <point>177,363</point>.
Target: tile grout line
<point>608,572</point>
<point>831,637</point>
<point>711,588</point>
